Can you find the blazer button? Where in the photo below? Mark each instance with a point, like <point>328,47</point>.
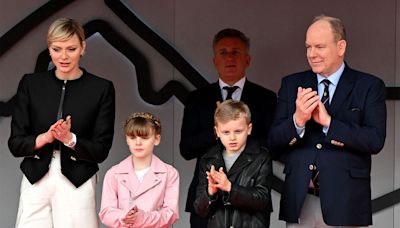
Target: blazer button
<point>73,158</point>
<point>311,167</point>
<point>319,146</point>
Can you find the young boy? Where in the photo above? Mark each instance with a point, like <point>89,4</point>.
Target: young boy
<point>235,177</point>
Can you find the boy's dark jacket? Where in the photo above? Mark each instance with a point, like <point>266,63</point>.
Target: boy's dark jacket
<point>249,202</point>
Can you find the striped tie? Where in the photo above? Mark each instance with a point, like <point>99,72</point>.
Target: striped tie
<point>315,172</point>
<point>325,95</point>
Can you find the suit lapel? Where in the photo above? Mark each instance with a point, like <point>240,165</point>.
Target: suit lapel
<point>342,91</point>
<point>310,81</point>
<point>249,93</point>
<point>216,94</point>
<point>246,92</point>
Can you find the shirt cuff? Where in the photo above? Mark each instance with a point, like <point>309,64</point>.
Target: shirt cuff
<point>325,130</point>
<point>300,130</point>
<point>72,142</point>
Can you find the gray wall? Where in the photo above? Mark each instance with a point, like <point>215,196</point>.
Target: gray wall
<point>276,29</point>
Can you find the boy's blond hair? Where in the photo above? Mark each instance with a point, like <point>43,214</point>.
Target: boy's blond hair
<point>231,110</point>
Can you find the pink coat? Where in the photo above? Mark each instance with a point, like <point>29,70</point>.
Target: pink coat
<point>157,196</point>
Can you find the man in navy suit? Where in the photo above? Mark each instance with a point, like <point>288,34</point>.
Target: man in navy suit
<point>231,59</point>
<point>328,147</point>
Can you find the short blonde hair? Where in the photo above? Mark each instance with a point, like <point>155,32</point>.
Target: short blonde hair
<point>64,28</point>
<point>231,110</point>
<point>142,124</point>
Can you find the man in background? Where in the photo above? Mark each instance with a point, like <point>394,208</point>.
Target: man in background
<point>231,59</point>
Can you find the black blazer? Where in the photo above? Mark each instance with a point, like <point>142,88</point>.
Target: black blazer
<point>89,100</point>
<point>343,156</point>
<point>197,132</point>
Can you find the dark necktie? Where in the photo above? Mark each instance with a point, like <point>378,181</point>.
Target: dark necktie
<point>230,90</point>
<point>325,95</point>
<point>325,101</point>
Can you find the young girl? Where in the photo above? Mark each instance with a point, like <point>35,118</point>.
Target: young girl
<point>141,191</point>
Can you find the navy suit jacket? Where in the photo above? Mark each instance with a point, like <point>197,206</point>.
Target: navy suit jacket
<point>197,132</point>
<point>342,156</point>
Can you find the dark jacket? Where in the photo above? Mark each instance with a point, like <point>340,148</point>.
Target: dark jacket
<point>342,156</point>
<point>89,100</point>
<point>197,132</point>
<point>249,202</point>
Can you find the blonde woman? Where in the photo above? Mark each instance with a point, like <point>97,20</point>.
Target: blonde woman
<point>62,126</point>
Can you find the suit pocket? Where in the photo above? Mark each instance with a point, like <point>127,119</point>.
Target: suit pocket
<point>359,173</point>
<point>353,115</point>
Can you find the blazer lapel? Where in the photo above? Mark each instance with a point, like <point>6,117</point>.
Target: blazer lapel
<point>247,92</point>
<point>216,94</point>
<point>310,81</point>
<point>342,91</point>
